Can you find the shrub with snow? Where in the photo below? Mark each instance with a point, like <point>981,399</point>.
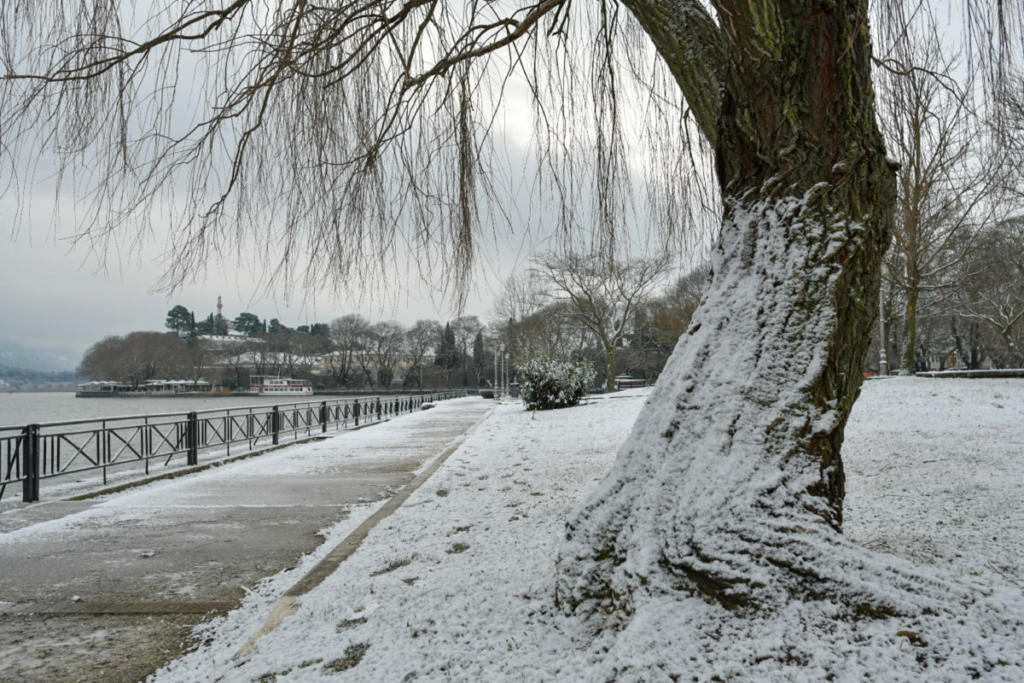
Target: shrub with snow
<point>548,384</point>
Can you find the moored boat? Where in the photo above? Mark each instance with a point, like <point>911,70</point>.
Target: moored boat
<point>269,385</point>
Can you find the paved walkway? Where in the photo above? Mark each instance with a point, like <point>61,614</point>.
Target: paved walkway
<point>109,589</point>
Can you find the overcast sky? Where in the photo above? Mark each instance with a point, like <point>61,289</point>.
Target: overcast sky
<point>55,297</point>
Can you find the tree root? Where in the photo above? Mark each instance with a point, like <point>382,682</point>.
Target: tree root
<point>758,568</point>
<point>812,603</point>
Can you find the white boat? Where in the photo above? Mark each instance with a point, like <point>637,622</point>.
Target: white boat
<point>267,385</point>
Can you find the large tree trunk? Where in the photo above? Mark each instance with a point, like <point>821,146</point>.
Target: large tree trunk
<point>731,483</point>
<point>909,364</point>
<point>609,383</point>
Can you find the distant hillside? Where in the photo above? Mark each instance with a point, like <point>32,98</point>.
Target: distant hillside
<point>17,356</point>
<point>18,379</point>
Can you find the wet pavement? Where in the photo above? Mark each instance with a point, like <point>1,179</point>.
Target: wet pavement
<point>109,589</point>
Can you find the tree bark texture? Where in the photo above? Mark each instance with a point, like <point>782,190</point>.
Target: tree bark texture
<point>909,364</point>
<point>609,383</point>
<point>731,484</point>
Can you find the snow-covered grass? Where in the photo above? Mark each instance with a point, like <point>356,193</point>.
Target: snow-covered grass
<point>935,469</point>
<point>458,583</point>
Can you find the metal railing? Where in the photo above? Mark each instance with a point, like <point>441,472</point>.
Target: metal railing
<point>32,453</point>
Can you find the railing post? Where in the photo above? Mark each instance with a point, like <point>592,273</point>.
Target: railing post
<point>275,424</point>
<point>323,416</point>
<point>192,439</point>
<point>30,463</point>
<point>355,411</point>
<point>378,409</point>
<point>147,442</point>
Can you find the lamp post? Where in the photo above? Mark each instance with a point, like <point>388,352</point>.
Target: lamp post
<point>883,360</point>
<point>505,362</point>
<point>497,387</point>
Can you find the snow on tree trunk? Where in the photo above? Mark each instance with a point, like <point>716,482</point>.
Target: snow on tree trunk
<point>731,483</point>
<point>715,542</point>
<point>721,517</point>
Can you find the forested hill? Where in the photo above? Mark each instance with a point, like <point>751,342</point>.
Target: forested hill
<point>19,356</point>
<point>17,378</point>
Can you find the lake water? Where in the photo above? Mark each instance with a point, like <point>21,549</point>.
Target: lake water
<point>28,407</point>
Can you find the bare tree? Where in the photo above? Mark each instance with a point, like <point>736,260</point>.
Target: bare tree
<point>658,324</point>
<point>195,359</point>
<point>100,361</point>
<point>603,294</point>
<point>303,353</point>
<point>670,313</point>
<point>280,356</point>
<point>521,295</point>
<point>421,338</point>
<point>262,358</point>
<point>136,358</point>
<point>1008,129</point>
<point>549,332</point>
<point>235,366</point>
<point>993,290</point>
<point>348,338</point>
<point>465,328</point>
<point>525,323</point>
<point>732,485</point>
<point>946,183</point>
<point>385,349</point>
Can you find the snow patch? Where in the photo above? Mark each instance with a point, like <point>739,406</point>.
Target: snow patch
<point>461,586</point>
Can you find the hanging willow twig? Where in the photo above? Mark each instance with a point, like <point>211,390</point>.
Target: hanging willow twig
<point>336,136</point>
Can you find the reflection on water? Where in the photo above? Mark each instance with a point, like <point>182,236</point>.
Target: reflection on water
<point>21,408</point>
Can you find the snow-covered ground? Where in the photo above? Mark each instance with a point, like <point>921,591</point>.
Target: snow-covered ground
<point>458,582</point>
<point>935,473</point>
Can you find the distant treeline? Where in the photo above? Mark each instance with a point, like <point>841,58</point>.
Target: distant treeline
<point>621,318</point>
<point>183,321</point>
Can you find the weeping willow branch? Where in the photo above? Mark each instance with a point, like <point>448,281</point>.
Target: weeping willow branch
<point>336,137</point>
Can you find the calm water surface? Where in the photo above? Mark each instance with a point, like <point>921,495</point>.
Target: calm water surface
<point>21,408</point>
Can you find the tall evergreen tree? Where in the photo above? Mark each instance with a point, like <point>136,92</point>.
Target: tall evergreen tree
<point>447,356</point>
<point>180,320</point>
<point>479,356</point>
<point>248,324</point>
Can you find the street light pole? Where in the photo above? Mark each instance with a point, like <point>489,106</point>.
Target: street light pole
<point>883,359</point>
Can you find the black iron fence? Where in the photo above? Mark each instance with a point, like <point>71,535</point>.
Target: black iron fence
<point>32,453</point>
